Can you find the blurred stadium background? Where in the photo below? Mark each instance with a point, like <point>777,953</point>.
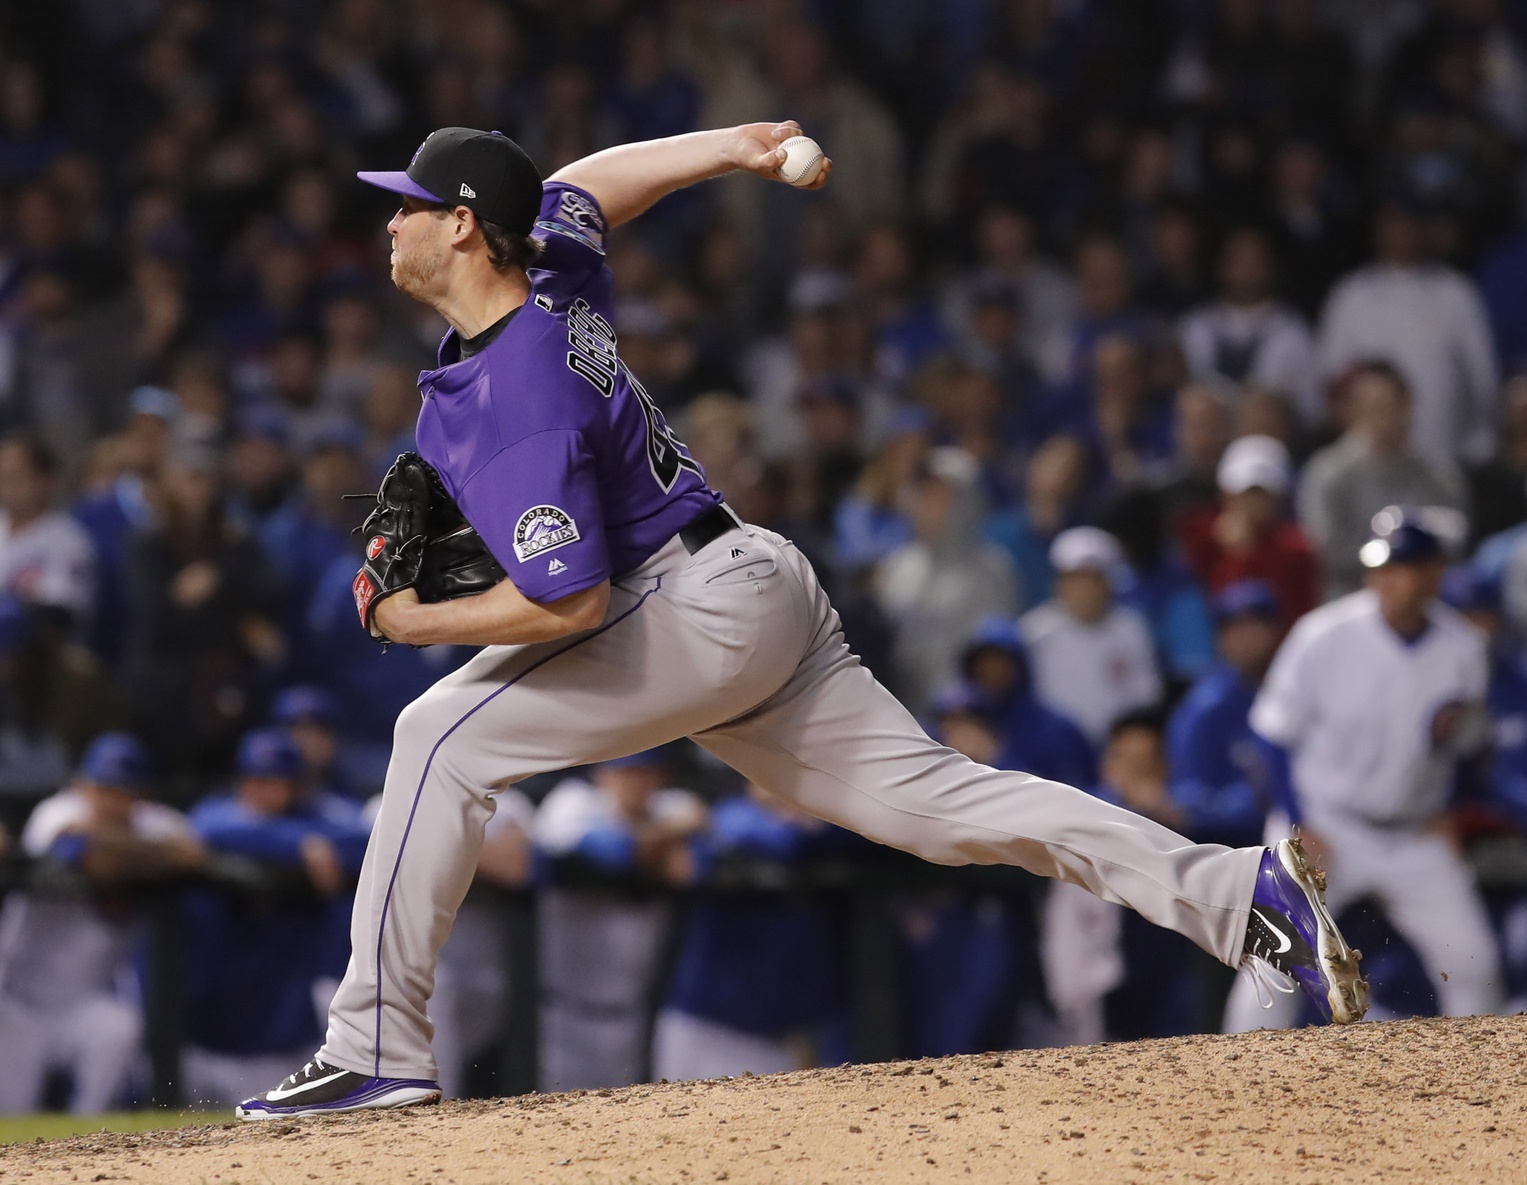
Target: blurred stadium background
<point>1071,253</point>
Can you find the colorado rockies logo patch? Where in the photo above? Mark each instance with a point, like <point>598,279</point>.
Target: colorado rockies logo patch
<point>542,529</point>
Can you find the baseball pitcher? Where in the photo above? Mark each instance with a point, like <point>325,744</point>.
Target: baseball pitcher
<point>625,606</point>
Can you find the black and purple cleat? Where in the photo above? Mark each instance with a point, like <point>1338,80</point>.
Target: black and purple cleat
<point>322,1089</point>
<point>1293,932</point>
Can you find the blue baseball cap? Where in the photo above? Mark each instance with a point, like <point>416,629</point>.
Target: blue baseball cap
<point>269,753</point>
<point>1402,535</point>
<point>117,759</point>
<point>965,699</point>
<point>303,703</point>
<point>1244,598</point>
<point>995,632</point>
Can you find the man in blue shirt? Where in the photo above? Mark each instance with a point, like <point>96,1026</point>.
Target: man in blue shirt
<point>1032,737</point>
<point>638,609</point>
<point>1216,774</point>
<point>257,961</point>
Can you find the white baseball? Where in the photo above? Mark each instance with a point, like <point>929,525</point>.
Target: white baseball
<point>803,160</point>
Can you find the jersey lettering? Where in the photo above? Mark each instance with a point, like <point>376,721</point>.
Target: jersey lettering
<point>666,454</point>
<point>593,356</point>
<point>593,352</point>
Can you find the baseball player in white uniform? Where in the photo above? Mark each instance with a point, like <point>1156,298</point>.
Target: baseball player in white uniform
<point>601,951</point>
<point>67,997</point>
<point>638,609</point>
<point>1364,715</point>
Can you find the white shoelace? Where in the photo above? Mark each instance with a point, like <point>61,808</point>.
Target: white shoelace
<point>1266,979</point>
<point>305,1073</point>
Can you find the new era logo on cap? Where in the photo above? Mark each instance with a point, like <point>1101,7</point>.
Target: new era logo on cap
<point>467,191</point>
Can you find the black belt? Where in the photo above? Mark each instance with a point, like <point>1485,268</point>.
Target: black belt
<point>709,527</point>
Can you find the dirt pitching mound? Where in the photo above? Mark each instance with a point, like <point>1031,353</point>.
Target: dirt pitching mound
<point>1436,1100</point>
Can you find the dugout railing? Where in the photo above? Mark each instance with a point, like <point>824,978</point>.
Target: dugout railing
<point>868,885</point>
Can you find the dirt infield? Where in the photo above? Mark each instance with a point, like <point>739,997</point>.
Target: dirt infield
<point>1399,1102</point>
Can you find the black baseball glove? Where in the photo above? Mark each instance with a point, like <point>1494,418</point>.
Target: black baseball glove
<point>457,563</point>
<point>418,538</point>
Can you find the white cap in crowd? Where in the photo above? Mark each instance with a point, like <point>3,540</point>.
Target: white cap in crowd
<point>1086,549</point>
<point>1254,462</point>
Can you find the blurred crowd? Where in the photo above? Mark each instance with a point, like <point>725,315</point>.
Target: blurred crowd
<point>1080,384</point>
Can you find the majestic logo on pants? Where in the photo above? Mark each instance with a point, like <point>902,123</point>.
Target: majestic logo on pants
<point>542,529</point>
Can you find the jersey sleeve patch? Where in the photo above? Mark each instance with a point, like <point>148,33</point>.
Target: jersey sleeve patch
<point>576,215</point>
<point>542,529</point>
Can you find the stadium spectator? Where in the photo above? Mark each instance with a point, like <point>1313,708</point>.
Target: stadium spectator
<point>203,616</point>
<point>965,958</point>
<point>1249,538</point>
<point>1187,480</point>
<point>1313,222</point>
<point>760,981</point>
<point>1092,659</point>
<point>261,468</point>
<point>1043,294</point>
<point>1031,737</point>
<point>1218,789</point>
<point>264,962</point>
<point>1249,338</point>
<point>600,938</point>
<point>1054,490</point>
<point>117,503</point>
<point>1477,598</point>
<point>314,527</point>
<point>1497,488</point>
<point>1427,320</point>
<point>66,956</point>
<point>1157,584</point>
<point>311,715</point>
<point>828,466</point>
<point>45,556</point>
<point>1173,269</point>
<point>388,411</point>
<point>1105,288</point>
<point>54,698</point>
<point>1109,973</point>
<point>872,521</point>
<point>935,589</point>
<point>1129,428</point>
<point>1505,296</point>
<point>1372,466</point>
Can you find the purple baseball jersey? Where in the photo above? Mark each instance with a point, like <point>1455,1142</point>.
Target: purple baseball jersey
<point>552,448</point>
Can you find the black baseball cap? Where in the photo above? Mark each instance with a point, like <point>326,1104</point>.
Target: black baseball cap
<point>486,172</point>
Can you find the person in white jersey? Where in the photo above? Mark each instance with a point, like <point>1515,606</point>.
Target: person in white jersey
<point>1370,704</point>
<point>67,997</point>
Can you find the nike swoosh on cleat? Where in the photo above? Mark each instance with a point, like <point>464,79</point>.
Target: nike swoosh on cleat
<point>1288,944</point>
<point>278,1094</point>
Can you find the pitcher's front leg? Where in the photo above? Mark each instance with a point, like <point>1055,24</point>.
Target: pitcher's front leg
<point>418,867</point>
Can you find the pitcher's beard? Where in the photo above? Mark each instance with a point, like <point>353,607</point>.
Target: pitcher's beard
<point>413,276</point>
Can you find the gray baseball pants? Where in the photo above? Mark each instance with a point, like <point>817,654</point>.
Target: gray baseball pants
<point>737,648</point>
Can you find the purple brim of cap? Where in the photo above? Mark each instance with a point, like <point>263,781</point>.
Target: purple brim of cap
<point>400,183</point>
